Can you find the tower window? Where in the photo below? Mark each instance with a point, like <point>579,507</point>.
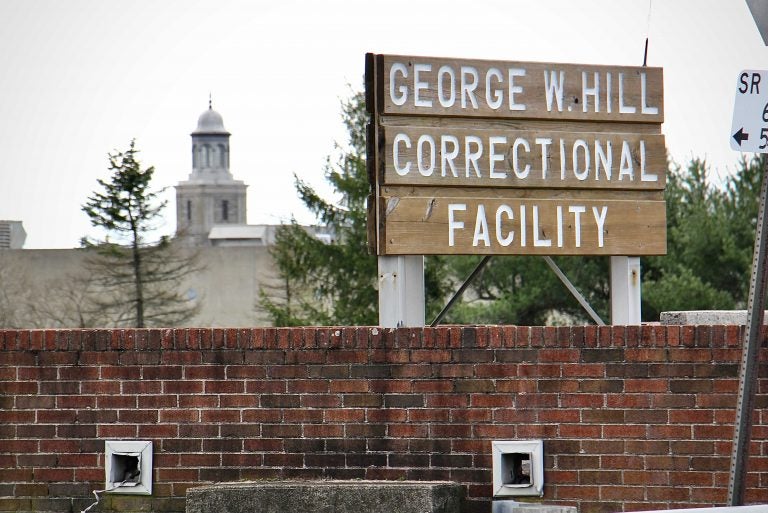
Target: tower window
<point>225,210</point>
<point>189,210</point>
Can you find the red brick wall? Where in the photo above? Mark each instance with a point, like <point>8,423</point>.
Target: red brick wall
<point>632,418</point>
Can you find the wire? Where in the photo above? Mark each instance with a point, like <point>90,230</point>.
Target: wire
<point>97,492</point>
<point>647,33</point>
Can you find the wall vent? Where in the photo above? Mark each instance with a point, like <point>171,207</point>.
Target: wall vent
<point>518,468</point>
<point>128,466</point>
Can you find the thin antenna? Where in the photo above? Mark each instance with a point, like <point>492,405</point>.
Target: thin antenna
<point>647,33</point>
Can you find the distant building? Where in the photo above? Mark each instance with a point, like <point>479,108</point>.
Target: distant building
<point>12,235</point>
<point>211,201</point>
<point>236,265</point>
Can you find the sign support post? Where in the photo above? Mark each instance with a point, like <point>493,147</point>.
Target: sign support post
<point>625,290</point>
<point>750,133</point>
<point>401,291</point>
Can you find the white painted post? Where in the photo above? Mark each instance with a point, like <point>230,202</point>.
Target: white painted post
<point>401,291</point>
<point>625,290</point>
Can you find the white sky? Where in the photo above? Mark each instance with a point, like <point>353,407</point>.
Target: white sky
<point>81,78</point>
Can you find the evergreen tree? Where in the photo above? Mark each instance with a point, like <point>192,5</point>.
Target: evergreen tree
<point>711,235</point>
<point>137,281</point>
<point>333,282</point>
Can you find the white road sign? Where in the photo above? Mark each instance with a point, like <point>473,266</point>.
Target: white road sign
<point>749,131</point>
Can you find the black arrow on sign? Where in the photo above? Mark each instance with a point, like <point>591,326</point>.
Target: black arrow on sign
<point>740,136</point>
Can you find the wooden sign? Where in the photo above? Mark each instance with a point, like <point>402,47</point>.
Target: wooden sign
<point>473,156</point>
<point>431,86</point>
<point>421,223</point>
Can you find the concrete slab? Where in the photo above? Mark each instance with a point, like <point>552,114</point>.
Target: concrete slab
<point>707,317</point>
<point>326,497</point>
<point>511,506</point>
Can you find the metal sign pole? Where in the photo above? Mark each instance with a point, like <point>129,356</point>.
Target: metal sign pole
<point>625,290</point>
<point>749,355</point>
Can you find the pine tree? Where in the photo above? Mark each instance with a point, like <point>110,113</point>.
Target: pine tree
<point>138,281</point>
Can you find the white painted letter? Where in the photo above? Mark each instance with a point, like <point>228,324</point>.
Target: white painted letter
<point>504,241</point>
<point>468,88</point>
<point>403,90</point>
<point>481,228</point>
<point>424,170</point>
<point>577,210</point>
<point>643,176</point>
<point>559,226</point>
<point>418,85</point>
<point>580,143</point>
<point>624,109</point>
<point>494,157</point>
<point>446,102</point>
<point>494,97</point>
<point>562,159</point>
<point>600,220</point>
<point>644,108</point>
<point>590,91</point>
<point>515,165</point>
<point>625,165</point>
<point>514,89</point>
<point>446,157</point>
<point>554,88</point>
<point>537,242</point>
<point>452,223</point>
<point>402,171</point>
<point>602,158</point>
<point>472,157</point>
<point>544,142</point>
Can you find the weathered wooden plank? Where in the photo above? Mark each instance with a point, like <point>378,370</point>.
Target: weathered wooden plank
<point>522,124</point>
<point>432,86</point>
<point>475,157</point>
<point>509,224</point>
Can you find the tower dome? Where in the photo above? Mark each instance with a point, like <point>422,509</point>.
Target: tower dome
<point>210,122</point>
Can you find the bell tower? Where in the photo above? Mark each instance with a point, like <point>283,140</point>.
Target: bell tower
<point>210,195</point>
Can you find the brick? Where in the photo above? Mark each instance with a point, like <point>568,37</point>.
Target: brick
<point>404,401</point>
<point>365,430</point>
<point>222,445</point>
<point>582,401</point>
<point>320,401</point>
<point>198,401</point>
<point>182,387</point>
<point>578,462</point>
<point>171,416</point>
<point>673,401</point>
<point>474,385</point>
<point>580,431</point>
<point>349,386</point>
<point>141,387</point>
<point>219,416</point>
<point>281,430</point>
<point>670,432</point>
<point>628,401</point>
<point>692,447</point>
<point>50,474</point>
<point>281,401</point>
<point>410,430</point>
<point>602,355</point>
<point>224,387</point>
<point>344,415</point>
<point>116,431</point>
